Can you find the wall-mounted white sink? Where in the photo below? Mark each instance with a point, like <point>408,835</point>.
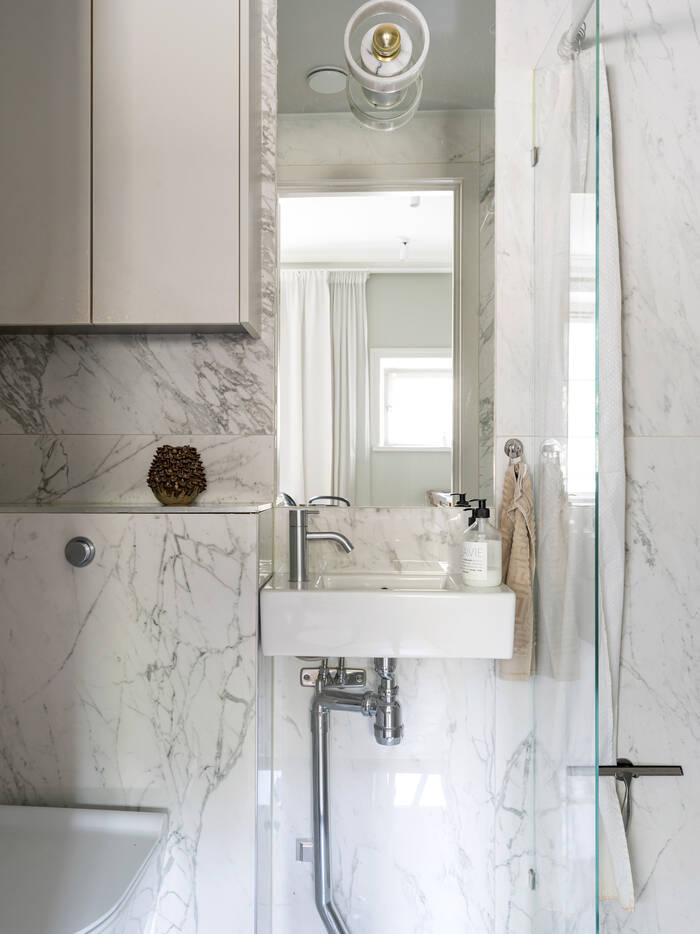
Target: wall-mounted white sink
<point>403,582</point>
<point>395,615</point>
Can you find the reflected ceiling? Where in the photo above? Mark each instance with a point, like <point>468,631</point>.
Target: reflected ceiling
<point>338,230</point>
<point>459,73</point>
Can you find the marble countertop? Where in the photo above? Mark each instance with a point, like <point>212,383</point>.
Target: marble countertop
<point>156,508</point>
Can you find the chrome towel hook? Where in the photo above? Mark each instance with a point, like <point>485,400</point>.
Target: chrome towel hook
<point>513,448</point>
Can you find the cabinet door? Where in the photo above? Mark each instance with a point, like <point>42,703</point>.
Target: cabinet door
<point>166,162</point>
<point>44,162</point>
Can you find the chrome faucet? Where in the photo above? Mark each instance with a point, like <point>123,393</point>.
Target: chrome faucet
<point>299,538</point>
<point>335,500</point>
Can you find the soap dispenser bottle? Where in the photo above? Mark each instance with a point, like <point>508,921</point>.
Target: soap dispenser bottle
<point>481,551</point>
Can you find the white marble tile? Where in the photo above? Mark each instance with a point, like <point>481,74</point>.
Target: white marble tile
<point>652,50</point>
<point>112,469</point>
<point>564,812</point>
<point>523,32</point>
<point>135,384</point>
<point>660,690</point>
<point>132,682</point>
<point>513,810</point>
<point>383,538</point>
<point>264,814</point>
<point>514,339</point>
<point>413,825</point>
<point>432,136</point>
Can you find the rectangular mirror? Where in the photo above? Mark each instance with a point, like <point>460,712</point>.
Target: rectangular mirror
<point>385,348</point>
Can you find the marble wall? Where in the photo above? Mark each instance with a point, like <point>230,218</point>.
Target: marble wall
<point>652,51</point>
<point>132,683</point>
<point>81,415</point>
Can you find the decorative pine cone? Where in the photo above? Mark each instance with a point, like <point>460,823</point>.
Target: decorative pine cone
<point>177,475</point>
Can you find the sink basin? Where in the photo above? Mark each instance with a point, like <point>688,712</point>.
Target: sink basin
<point>395,615</point>
<point>410,582</point>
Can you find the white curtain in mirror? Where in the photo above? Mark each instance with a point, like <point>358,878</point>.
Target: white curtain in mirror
<point>323,388</point>
<point>348,292</point>
<point>305,403</point>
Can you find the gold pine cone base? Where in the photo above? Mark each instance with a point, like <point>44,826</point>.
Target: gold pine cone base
<point>178,499</point>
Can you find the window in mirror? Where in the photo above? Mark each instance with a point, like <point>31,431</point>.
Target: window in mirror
<point>411,398</point>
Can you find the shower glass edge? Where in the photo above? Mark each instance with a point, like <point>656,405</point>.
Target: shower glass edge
<point>597,490</point>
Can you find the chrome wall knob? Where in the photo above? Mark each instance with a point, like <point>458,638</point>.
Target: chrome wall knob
<point>79,551</point>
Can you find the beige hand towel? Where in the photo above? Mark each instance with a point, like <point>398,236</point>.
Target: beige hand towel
<point>518,538</point>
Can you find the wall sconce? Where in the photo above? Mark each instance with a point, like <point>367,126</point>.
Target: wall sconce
<point>386,45</point>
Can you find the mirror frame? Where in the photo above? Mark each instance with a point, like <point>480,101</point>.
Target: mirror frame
<point>462,179</point>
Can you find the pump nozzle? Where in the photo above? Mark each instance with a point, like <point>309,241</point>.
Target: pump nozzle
<point>482,511</point>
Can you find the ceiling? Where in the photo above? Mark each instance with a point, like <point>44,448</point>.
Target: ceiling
<point>459,73</point>
<point>344,230</point>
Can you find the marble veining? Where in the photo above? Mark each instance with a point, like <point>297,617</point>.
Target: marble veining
<point>384,539</point>
<point>432,136</point>
<point>135,384</point>
<point>132,682</point>
<point>659,690</point>
<point>513,766</point>
<point>652,51</point>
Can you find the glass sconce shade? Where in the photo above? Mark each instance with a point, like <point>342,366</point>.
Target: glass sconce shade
<point>386,46</point>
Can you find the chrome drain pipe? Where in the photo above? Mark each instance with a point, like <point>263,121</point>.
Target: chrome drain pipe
<point>388,729</point>
<point>320,723</point>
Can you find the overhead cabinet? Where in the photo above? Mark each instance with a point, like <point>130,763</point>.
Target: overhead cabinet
<point>172,176</point>
<point>44,162</point>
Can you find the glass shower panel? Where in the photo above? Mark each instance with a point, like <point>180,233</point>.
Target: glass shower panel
<point>564,467</point>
